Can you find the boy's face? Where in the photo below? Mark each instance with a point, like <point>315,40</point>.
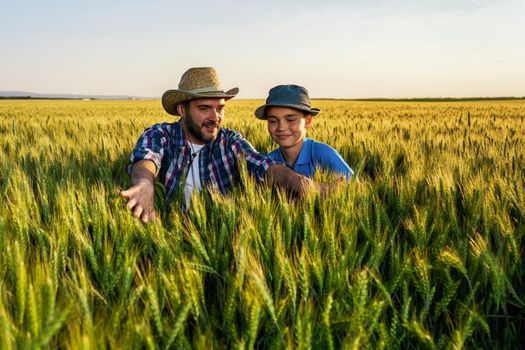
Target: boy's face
<point>287,126</point>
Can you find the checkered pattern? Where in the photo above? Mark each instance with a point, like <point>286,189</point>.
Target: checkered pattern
<point>166,145</point>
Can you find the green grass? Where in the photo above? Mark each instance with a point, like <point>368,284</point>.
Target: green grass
<point>423,251</point>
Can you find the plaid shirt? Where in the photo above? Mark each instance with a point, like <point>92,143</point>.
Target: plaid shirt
<point>166,145</point>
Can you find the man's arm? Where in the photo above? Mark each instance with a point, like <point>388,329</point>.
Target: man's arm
<point>141,194</point>
<point>267,168</point>
<point>288,178</point>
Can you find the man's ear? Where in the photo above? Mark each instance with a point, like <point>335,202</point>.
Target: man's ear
<point>308,121</point>
<point>180,110</point>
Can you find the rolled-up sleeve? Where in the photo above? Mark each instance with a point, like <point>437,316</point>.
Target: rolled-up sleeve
<point>258,163</point>
<point>150,146</point>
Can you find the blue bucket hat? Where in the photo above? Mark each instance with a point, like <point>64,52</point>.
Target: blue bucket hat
<point>292,96</point>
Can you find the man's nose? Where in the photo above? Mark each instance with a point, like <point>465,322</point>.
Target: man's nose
<point>215,114</point>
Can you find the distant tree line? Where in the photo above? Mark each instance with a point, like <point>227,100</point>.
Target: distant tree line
<point>38,98</point>
<point>428,99</point>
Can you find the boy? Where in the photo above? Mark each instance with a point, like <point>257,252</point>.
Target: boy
<point>288,113</point>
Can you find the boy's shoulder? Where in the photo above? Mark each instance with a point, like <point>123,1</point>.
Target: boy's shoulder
<point>319,147</point>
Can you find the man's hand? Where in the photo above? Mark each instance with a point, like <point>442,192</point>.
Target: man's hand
<point>336,184</point>
<point>140,200</point>
<point>140,196</point>
<point>290,179</point>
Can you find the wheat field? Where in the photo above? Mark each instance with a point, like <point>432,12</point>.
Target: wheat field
<point>423,250</point>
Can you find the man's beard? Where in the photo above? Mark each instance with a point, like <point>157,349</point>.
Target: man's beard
<point>195,130</point>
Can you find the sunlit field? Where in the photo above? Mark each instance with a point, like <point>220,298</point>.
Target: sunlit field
<point>422,250</point>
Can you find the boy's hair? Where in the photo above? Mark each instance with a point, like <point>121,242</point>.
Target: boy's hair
<point>306,114</point>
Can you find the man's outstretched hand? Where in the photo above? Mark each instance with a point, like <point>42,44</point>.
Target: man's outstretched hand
<point>140,201</point>
<point>140,196</point>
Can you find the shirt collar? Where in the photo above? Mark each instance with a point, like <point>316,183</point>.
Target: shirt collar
<point>304,154</point>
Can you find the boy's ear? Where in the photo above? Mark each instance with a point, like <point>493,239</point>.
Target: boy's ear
<point>308,121</point>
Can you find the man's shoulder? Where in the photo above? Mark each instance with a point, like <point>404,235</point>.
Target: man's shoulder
<point>228,135</point>
<point>170,132</point>
<point>165,127</point>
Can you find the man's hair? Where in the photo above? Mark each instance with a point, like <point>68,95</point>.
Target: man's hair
<point>186,106</point>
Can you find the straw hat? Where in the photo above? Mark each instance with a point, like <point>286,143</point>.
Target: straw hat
<point>293,96</point>
<point>200,82</point>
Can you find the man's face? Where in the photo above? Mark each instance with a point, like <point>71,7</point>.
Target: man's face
<point>287,126</point>
<point>202,119</point>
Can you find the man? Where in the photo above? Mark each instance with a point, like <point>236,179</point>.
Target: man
<point>196,151</point>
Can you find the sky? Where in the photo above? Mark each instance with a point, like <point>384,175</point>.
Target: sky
<point>335,48</point>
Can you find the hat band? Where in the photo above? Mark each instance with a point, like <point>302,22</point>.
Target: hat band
<point>205,89</point>
<point>297,104</point>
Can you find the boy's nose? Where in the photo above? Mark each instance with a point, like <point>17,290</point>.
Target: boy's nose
<point>281,126</point>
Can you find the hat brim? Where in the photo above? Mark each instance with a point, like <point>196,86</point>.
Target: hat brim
<point>171,98</point>
<point>260,111</point>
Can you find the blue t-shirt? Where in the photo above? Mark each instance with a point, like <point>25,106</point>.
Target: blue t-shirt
<point>313,155</point>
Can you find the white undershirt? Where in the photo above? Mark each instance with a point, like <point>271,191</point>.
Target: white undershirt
<point>193,180</point>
